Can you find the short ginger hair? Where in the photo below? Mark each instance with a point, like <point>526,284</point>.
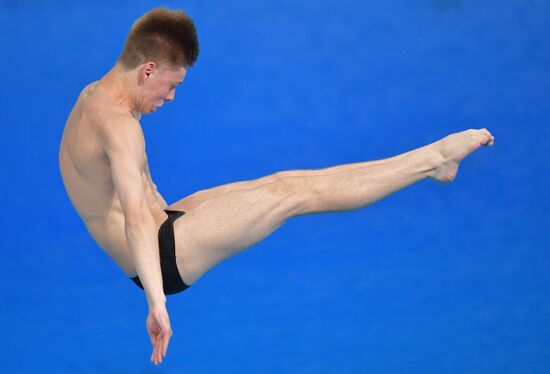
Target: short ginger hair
<point>161,35</point>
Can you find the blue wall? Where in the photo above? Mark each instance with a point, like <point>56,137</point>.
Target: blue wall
<point>436,278</point>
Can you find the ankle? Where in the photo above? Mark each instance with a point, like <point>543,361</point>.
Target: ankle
<point>433,159</point>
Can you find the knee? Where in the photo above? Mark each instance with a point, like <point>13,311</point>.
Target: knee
<point>268,179</point>
<point>289,192</point>
<point>280,185</point>
<point>278,176</point>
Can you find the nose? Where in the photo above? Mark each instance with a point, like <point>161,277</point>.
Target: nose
<point>171,95</point>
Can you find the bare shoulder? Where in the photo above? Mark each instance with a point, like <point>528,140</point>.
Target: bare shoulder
<point>114,127</point>
<point>121,138</point>
<point>112,122</point>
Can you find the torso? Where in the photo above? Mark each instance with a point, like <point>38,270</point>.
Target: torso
<point>87,177</point>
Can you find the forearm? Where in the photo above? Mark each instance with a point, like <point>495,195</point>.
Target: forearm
<point>144,250</point>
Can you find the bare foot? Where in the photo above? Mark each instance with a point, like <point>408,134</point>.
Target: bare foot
<point>455,147</point>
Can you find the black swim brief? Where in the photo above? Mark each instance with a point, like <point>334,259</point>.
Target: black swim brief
<point>171,279</point>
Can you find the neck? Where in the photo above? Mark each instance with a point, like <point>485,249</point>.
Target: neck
<point>120,84</point>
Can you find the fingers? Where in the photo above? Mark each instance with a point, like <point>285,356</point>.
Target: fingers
<point>160,333</point>
<point>159,349</point>
<point>156,353</point>
<point>159,340</point>
<point>154,356</point>
<point>165,345</point>
<point>155,340</point>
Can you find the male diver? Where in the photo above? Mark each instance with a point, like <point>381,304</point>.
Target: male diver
<point>165,248</point>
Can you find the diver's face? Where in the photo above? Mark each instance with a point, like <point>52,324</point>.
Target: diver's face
<point>159,85</point>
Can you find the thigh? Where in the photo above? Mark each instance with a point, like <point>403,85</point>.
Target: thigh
<point>190,202</point>
<point>224,224</point>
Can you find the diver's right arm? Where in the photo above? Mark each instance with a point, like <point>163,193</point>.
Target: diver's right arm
<point>124,145</point>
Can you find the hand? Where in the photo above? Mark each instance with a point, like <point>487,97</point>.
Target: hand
<point>158,327</point>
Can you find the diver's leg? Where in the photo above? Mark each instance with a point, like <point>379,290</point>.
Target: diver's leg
<point>223,224</point>
<point>194,199</point>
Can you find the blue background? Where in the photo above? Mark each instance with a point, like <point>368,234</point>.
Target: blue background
<point>434,279</point>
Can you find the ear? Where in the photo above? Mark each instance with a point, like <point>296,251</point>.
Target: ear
<point>146,70</point>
